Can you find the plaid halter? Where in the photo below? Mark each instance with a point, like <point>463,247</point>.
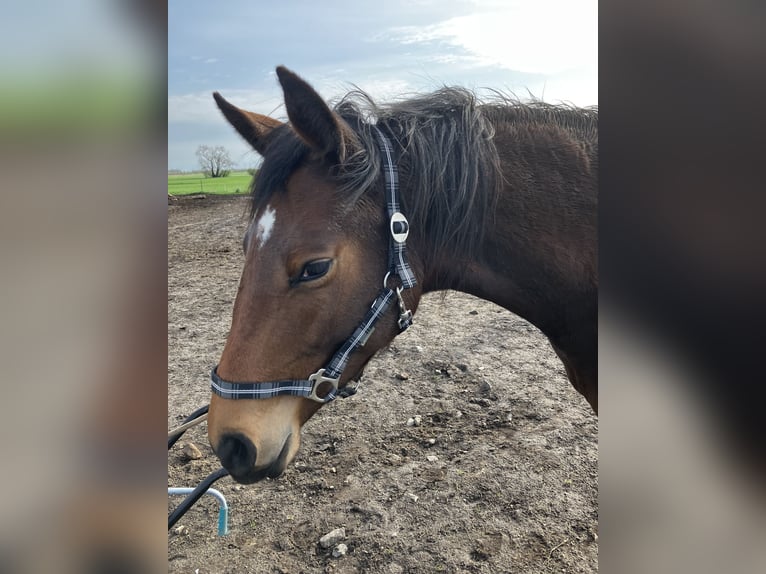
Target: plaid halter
<point>322,386</point>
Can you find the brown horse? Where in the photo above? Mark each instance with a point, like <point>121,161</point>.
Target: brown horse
<point>498,199</point>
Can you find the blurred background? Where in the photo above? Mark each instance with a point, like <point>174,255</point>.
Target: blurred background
<point>82,270</point>
<point>83,138</point>
<point>681,443</point>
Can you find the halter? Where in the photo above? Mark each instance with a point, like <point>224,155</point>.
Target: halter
<point>322,386</point>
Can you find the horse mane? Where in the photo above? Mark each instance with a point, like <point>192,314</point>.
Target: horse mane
<point>449,169</point>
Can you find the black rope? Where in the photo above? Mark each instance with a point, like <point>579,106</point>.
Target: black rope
<point>199,412</point>
<point>194,496</point>
<point>203,486</point>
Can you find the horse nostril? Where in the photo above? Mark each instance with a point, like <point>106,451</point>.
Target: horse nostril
<point>237,454</point>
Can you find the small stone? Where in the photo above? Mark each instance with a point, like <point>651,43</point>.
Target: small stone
<point>238,487</point>
<point>339,550</point>
<point>458,414</point>
<point>402,376</point>
<point>462,366</point>
<point>332,537</point>
<point>431,441</point>
<point>191,452</point>
<point>410,422</point>
<point>484,388</point>
<point>432,458</point>
<point>181,530</point>
<point>412,497</point>
<point>333,469</point>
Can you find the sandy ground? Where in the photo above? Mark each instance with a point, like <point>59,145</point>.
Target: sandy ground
<point>500,475</point>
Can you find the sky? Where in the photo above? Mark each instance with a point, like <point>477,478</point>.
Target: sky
<point>546,49</point>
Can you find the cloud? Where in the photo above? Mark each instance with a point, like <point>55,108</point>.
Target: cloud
<point>541,37</point>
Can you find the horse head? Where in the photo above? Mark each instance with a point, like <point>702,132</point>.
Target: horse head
<point>314,262</point>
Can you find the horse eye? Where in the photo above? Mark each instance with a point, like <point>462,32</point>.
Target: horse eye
<point>315,269</point>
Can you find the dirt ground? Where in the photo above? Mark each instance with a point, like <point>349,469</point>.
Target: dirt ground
<point>500,475</point>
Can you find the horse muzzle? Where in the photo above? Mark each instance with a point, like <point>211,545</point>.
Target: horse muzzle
<point>239,456</point>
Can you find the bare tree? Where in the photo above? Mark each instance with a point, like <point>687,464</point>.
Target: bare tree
<point>214,161</point>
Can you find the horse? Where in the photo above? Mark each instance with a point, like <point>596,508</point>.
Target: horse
<point>360,208</point>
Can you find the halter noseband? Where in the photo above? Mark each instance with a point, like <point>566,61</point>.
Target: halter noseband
<point>322,386</point>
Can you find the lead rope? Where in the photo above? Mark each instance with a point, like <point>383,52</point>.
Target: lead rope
<point>192,420</point>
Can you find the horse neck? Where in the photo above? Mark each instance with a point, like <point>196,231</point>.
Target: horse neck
<point>538,254</point>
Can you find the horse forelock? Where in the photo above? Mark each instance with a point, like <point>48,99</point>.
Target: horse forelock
<point>285,153</point>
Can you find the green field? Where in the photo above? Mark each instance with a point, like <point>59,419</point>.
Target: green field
<point>187,183</point>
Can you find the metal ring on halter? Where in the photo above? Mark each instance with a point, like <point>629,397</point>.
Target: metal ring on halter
<point>317,379</point>
<point>389,274</point>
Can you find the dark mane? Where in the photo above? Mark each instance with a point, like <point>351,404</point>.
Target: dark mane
<point>449,168</point>
<point>580,121</point>
<point>448,164</point>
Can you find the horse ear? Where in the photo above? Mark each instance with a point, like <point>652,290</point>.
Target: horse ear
<point>312,119</point>
<point>255,128</point>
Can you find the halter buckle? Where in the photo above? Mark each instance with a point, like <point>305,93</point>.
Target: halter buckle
<point>405,315</point>
<point>400,227</point>
<point>317,379</point>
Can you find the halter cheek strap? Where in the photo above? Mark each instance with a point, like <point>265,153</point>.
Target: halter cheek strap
<point>322,386</point>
